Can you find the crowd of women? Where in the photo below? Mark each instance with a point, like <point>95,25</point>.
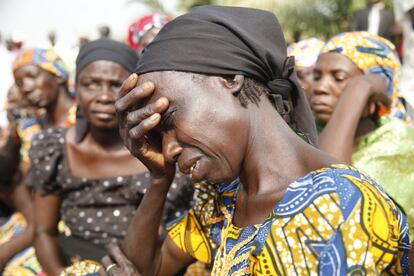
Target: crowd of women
<point>206,146</point>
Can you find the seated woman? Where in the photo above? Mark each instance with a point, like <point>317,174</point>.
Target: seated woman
<point>357,74</point>
<point>16,206</point>
<point>42,80</point>
<point>84,175</point>
<point>234,117</point>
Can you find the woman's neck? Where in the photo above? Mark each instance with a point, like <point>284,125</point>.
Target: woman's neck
<point>108,139</point>
<point>276,156</point>
<point>57,114</point>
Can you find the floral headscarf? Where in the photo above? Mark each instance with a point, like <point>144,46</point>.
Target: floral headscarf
<point>373,55</point>
<point>47,59</point>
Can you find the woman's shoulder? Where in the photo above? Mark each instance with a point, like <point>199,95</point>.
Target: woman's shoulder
<point>49,137</point>
<point>346,182</point>
<point>46,156</point>
<point>49,142</point>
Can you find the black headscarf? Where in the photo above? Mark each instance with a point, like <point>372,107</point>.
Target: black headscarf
<point>102,49</point>
<point>228,41</point>
<point>106,49</point>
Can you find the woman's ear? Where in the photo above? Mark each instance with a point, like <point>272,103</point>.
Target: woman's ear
<point>232,84</point>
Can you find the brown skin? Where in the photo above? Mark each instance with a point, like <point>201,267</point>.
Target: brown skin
<point>194,128</point>
<point>41,90</point>
<point>100,154</point>
<point>344,98</point>
<point>305,77</point>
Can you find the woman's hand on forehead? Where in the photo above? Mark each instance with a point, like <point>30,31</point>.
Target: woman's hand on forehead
<point>138,119</point>
<point>131,93</point>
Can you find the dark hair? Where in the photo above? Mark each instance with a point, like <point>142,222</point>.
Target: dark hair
<point>251,92</point>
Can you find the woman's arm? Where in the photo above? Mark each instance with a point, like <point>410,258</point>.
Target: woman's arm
<point>46,240</point>
<point>143,237</point>
<point>338,136</point>
<point>142,243</point>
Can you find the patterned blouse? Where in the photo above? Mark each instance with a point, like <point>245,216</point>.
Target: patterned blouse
<point>333,221</point>
<point>95,210</point>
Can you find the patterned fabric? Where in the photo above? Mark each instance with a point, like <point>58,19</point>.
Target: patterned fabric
<point>97,211</point>
<point>24,263</point>
<point>141,26</point>
<point>333,221</point>
<point>373,55</point>
<point>387,155</point>
<point>28,127</point>
<point>306,52</point>
<point>46,59</point>
<point>82,268</point>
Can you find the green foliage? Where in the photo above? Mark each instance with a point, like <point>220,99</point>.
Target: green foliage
<point>320,18</point>
<point>188,4</point>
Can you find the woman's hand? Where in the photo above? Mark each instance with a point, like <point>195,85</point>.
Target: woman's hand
<point>372,87</point>
<point>116,263</point>
<point>137,120</point>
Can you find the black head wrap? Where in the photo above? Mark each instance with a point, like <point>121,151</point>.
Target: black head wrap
<point>102,49</point>
<point>228,41</point>
<point>106,49</point>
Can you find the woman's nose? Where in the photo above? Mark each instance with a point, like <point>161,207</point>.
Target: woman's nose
<point>27,86</point>
<point>170,147</point>
<point>320,87</point>
<point>107,95</point>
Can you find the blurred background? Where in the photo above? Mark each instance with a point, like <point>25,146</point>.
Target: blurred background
<point>69,20</point>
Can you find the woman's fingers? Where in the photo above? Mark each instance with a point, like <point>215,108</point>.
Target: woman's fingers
<point>106,262</point>
<point>128,84</point>
<point>136,116</point>
<point>134,96</point>
<point>144,126</point>
<point>119,257</point>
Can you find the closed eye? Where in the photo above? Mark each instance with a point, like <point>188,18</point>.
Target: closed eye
<point>167,120</point>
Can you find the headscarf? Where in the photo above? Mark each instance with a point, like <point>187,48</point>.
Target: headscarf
<point>219,40</point>
<point>47,59</point>
<point>306,52</point>
<point>101,49</point>
<point>140,27</point>
<point>106,49</point>
<point>372,54</point>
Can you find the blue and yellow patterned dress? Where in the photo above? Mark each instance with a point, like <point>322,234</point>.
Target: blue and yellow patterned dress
<point>333,221</point>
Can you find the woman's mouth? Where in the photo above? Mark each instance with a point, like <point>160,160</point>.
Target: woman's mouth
<point>103,115</point>
<point>321,108</point>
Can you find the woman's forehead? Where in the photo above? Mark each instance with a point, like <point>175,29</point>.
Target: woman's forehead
<point>336,61</point>
<point>27,68</point>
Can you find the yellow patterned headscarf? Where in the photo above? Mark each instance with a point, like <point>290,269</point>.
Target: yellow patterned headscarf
<point>47,59</point>
<point>373,55</point>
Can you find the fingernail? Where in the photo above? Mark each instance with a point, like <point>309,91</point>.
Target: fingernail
<point>149,85</point>
<point>161,101</point>
<point>155,116</point>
